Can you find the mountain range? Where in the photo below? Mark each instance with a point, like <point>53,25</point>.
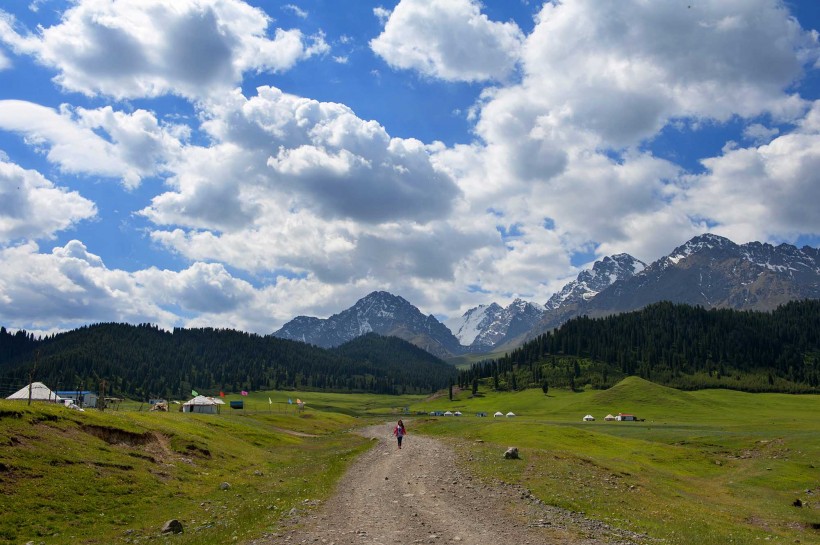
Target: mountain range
<point>708,271</point>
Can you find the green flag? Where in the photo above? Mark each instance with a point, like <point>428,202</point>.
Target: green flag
<point>194,393</point>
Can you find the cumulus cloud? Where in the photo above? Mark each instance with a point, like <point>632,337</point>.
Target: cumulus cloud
<point>72,286</point>
<point>764,192</point>
<point>32,207</point>
<point>137,145</point>
<point>760,134</point>
<point>623,70</point>
<point>447,39</point>
<point>67,288</point>
<point>317,155</point>
<point>147,48</point>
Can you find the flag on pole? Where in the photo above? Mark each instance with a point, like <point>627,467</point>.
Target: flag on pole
<point>290,401</point>
<point>194,393</point>
<point>270,401</point>
<point>221,394</point>
<point>243,392</point>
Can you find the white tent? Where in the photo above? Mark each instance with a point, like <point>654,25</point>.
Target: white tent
<point>609,417</point>
<point>498,413</point>
<point>589,418</point>
<point>510,413</point>
<point>39,392</point>
<point>201,404</point>
<point>448,413</point>
<point>457,413</point>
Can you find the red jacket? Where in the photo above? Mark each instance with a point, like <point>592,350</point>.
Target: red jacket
<point>399,431</point>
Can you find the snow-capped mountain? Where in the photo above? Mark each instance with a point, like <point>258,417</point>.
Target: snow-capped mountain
<point>487,326</point>
<point>379,312</point>
<point>714,272</point>
<point>590,282</point>
<point>709,270</point>
<point>574,297</point>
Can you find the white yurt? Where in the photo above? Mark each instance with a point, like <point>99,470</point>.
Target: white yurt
<point>38,392</point>
<point>498,413</point>
<point>457,413</point>
<point>589,418</point>
<point>609,418</point>
<point>448,413</point>
<point>510,413</point>
<point>202,405</point>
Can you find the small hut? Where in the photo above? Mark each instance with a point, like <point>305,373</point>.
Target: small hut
<point>510,414</point>
<point>589,418</point>
<point>498,413</point>
<point>201,404</point>
<point>609,417</point>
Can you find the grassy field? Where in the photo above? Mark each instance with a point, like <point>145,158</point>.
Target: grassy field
<point>102,477</point>
<point>708,467</point>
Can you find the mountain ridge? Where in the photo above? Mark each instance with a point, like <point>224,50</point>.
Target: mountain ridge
<point>708,270</point>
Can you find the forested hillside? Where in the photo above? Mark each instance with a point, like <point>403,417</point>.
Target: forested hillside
<point>144,361</point>
<point>675,345</point>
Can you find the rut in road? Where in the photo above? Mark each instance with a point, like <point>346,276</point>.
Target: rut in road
<point>419,495</point>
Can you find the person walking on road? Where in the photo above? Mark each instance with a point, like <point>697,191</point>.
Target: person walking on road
<point>399,431</point>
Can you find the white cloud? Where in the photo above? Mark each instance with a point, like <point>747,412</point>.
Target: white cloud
<point>448,39</point>
<point>761,193</point>
<point>623,70</point>
<point>139,146</point>
<point>71,286</point>
<point>32,207</point>
<point>314,155</point>
<point>202,288</point>
<point>67,288</point>
<point>5,62</point>
<point>381,13</point>
<point>147,48</point>
<point>760,134</point>
<point>296,10</point>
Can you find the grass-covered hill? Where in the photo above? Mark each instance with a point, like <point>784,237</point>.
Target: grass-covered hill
<point>141,362</point>
<point>674,345</point>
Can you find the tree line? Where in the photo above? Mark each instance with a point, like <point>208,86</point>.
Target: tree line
<point>675,345</point>
<point>143,361</point>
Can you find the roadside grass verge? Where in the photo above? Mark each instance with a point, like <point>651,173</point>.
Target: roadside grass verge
<point>707,467</point>
<point>103,477</point>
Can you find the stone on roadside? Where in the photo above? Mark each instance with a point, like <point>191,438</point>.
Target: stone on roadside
<point>173,526</point>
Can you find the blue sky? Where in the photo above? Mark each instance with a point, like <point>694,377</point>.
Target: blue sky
<point>235,164</point>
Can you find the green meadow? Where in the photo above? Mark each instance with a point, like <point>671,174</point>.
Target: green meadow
<point>707,467</point>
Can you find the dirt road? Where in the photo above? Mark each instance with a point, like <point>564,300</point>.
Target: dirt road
<point>419,495</point>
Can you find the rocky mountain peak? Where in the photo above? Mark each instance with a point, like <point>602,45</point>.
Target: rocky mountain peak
<point>486,326</point>
<point>590,282</point>
<point>378,312</point>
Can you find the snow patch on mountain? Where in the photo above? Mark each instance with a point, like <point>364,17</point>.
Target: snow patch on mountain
<point>486,326</point>
<point>590,282</point>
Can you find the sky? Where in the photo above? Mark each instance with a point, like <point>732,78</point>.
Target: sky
<point>234,164</point>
